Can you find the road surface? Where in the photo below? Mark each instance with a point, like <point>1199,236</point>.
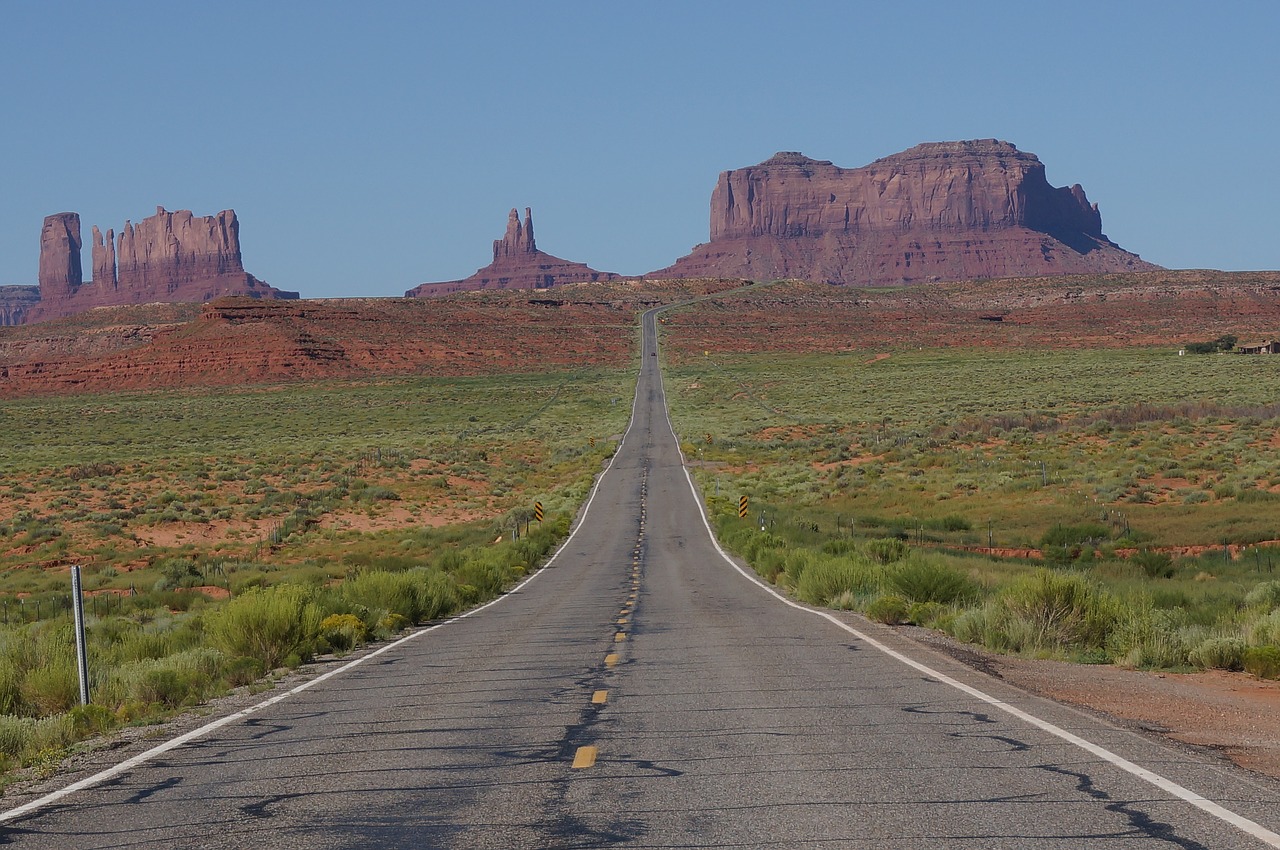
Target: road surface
<point>642,692</point>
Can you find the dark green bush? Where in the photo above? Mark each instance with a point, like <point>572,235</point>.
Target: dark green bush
<point>889,609</point>
<point>1263,661</point>
<point>924,580</point>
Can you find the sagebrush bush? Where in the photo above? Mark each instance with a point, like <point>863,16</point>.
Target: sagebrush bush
<point>1057,611</point>
<point>890,609</point>
<point>270,624</point>
<point>1262,661</point>
<point>1219,653</point>
<point>886,550</point>
<point>1148,638</point>
<point>920,579</point>
<point>22,738</point>
<point>1264,595</point>
<point>828,577</point>
<point>1265,631</point>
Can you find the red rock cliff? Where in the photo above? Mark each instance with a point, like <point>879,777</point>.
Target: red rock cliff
<point>939,211</point>
<point>171,256</point>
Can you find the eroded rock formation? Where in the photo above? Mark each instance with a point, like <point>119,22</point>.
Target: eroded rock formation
<point>517,264</point>
<point>60,271</point>
<point>939,211</point>
<point>170,256</point>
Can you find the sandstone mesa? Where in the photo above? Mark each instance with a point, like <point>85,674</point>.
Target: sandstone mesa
<point>170,256</point>
<point>939,211</point>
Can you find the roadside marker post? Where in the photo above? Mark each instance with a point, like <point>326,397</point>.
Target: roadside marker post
<point>82,656</point>
<point>537,511</point>
<point>742,508</point>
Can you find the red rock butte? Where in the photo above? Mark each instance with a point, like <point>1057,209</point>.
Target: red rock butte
<point>517,264</point>
<point>938,211</point>
<point>170,256</point>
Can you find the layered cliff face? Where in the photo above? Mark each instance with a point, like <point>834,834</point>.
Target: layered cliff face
<point>517,264</point>
<point>939,211</point>
<point>15,302</point>
<point>171,256</point>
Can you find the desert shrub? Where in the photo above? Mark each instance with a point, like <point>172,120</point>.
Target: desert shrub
<point>1262,661</point>
<point>889,608</point>
<point>377,493</point>
<point>183,678</point>
<point>1219,653</point>
<point>243,670</point>
<point>924,580</point>
<point>22,738</point>
<point>1153,564</point>
<point>269,624</point>
<point>391,592</point>
<point>343,631</point>
<point>1265,631</point>
<point>51,688</point>
<point>1074,535</point>
<point>886,550</point>
<point>827,578</point>
<point>1148,637</point>
<point>483,572</point>
<point>1264,595</point>
<point>438,594</point>
<point>951,522</point>
<point>1057,611</point>
<point>794,564</point>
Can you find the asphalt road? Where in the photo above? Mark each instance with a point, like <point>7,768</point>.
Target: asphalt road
<point>641,692</point>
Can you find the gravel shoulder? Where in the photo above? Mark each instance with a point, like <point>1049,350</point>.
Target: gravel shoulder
<point>1232,714</point>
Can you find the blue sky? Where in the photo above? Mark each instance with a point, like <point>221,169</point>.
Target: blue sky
<point>370,147</point>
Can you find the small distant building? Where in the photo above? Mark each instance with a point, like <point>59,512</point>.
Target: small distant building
<point>1267,346</point>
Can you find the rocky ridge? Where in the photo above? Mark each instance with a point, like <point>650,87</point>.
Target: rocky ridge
<point>938,211</point>
<point>171,256</point>
<point>517,264</point>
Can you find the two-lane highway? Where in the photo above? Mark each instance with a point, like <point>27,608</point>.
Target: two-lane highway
<point>643,692</point>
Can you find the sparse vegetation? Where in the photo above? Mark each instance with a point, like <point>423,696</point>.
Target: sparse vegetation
<point>172,502</point>
<point>1094,505</point>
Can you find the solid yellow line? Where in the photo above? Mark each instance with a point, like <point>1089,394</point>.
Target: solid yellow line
<point>584,757</point>
<point>599,697</point>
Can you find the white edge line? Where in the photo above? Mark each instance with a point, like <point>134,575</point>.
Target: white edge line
<point>1239,821</point>
<point>172,744</point>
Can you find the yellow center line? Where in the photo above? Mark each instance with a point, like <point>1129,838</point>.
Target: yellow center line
<point>600,697</point>
<point>622,621</point>
<point>584,757</point>
<point>611,659</point>
<point>619,637</point>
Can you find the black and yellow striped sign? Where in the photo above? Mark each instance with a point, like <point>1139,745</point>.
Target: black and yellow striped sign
<point>591,441</point>
<point>742,508</point>
<point>709,440</point>
<point>537,511</point>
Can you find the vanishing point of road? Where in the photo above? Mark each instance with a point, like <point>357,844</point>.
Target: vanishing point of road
<point>642,691</point>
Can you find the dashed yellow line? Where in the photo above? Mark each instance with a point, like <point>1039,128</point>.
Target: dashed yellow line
<point>611,659</point>
<point>584,757</point>
<point>599,697</point>
<point>620,637</point>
